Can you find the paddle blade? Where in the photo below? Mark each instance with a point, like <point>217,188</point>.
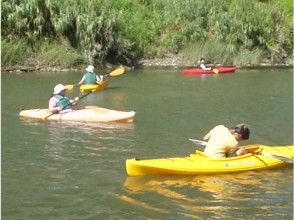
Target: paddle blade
<point>198,142</point>
<point>279,157</point>
<point>69,87</point>
<point>216,71</point>
<point>117,72</point>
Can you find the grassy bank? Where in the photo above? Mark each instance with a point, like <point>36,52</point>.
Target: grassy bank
<point>70,33</point>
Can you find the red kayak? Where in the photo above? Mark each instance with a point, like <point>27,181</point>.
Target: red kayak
<point>215,70</point>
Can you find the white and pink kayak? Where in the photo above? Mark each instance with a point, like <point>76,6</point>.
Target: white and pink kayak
<point>214,70</point>
<point>87,114</point>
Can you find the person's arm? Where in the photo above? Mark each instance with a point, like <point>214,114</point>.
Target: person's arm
<point>82,80</point>
<point>207,136</point>
<point>53,105</point>
<point>99,79</point>
<point>74,101</point>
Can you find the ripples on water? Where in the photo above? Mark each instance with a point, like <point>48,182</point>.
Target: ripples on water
<point>234,196</point>
<point>53,170</point>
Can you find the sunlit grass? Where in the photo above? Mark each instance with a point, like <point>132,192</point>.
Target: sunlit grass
<point>14,52</point>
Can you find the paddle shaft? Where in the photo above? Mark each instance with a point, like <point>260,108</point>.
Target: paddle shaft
<point>83,96</point>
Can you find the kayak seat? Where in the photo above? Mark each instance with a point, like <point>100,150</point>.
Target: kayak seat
<point>254,148</point>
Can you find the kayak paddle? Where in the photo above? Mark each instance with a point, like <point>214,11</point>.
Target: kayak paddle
<point>83,96</point>
<point>215,71</point>
<point>279,157</point>
<point>198,142</point>
<point>117,72</point>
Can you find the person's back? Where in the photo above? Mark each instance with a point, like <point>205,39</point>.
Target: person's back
<point>221,142</point>
<point>90,78</point>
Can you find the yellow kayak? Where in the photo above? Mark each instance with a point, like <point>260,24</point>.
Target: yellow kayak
<point>88,114</point>
<point>94,87</point>
<point>261,157</point>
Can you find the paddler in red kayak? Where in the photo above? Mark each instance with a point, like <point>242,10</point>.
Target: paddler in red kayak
<point>223,141</point>
<point>58,102</point>
<point>202,64</point>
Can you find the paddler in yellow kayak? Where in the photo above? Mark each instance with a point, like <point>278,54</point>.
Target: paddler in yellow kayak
<point>58,102</point>
<point>90,77</point>
<point>223,141</point>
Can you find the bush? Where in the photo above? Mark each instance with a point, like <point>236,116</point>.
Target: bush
<point>213,51</point>
<point>57,54</point>
<point>246,57</point>
<point>14,52</point>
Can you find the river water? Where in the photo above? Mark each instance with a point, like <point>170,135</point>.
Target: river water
<point>54,170</point>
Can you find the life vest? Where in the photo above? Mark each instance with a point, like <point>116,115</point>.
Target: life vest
<point>63,102</point>
<point>90,78</point>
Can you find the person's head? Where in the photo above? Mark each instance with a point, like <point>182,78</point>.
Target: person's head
<point>202,60</point>
<point>90,68</point>
<point>241,132</point>
<point>59,89</point>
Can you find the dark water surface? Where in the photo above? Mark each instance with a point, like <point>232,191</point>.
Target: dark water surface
<point>53,170</point>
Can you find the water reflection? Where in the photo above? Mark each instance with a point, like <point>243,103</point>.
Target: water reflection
<point>80,126</point>
<point>218,195</point>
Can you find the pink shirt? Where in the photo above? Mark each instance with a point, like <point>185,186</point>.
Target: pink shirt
<point>53,105</point>
<point>53,102</point>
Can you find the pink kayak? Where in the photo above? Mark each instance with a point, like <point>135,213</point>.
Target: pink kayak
<point>215,70</point>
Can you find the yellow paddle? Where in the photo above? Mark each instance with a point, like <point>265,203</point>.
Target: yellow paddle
<point>215,71</point>
<point>117,72</point>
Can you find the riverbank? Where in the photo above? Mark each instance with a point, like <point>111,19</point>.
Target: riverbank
<point>169,60</point>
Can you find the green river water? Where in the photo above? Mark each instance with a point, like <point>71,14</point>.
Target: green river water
<point>54,170</point>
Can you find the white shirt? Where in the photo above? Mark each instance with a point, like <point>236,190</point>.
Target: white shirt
<point>202,66</point>
<point>221,142</point>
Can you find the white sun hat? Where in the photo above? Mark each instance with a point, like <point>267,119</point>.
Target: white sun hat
<point>58,88</point>
<point>90,68</point>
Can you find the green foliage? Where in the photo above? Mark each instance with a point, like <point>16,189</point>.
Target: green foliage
<point>13,52</point>
<point>213,51</point>
<point>246,57</point>
<point>126,30</point>
<point>56,54</point>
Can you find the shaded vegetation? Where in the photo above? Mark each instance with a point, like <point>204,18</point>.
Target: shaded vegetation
<point>124,31</point>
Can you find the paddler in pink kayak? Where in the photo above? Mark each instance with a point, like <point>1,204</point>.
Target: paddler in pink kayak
<point>58,102</point>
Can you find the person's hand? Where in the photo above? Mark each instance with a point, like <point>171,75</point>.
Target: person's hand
<point>76,99</point>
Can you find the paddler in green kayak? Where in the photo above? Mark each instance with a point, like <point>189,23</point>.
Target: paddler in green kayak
<point>58,102</point>
<point>223,141</point>
<point>90,77</point>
